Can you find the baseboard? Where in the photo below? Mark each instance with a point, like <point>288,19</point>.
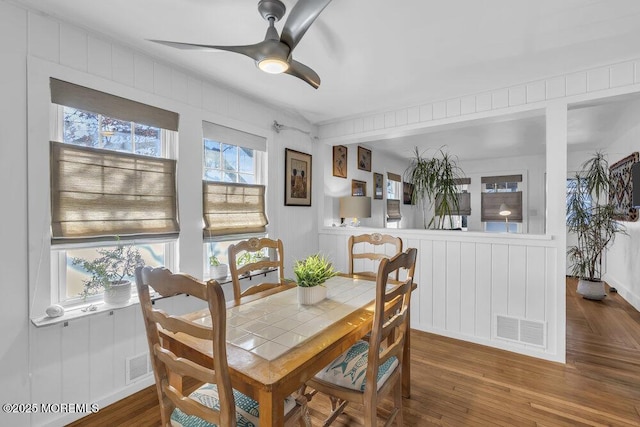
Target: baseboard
<point>106,401</point>
<point>496,343</point>
<point>623,291</point>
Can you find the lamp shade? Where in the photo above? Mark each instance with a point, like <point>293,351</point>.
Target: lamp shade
<point>504,210</point>
<point>355,207</point>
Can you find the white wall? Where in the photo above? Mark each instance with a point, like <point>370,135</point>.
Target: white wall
<point>532,169</point>
<point>14,318</point>
<point>621,267</point>
<point>83,362</point>
<point>623,259</point>
<point>335,187</point>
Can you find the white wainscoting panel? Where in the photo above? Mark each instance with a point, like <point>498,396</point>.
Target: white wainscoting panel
<point>466,280</point>
<point>101,357</point>
<point>468,288</point>
<point>75,363</point>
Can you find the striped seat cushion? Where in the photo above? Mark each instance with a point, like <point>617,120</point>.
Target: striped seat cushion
<point>247,409</point>
<point>349,369</point>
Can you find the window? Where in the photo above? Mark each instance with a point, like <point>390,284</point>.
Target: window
<point>460,221</point>
<point>236,211</point>
<point>572,190</point>
<point>499,192</point>
<point>91,131</point>
<point>394,191</point>
<point>228,163</point>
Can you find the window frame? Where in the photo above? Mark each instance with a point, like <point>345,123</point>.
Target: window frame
<point>260,178</point>
<point>256,157</point>
<point>59,252</point>
<point>513,227</point>
<point>59,269</point>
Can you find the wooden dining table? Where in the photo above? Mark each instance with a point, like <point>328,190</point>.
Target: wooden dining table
<point>275,344</point>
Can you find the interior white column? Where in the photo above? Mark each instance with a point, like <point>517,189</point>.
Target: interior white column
<point>556,157</point>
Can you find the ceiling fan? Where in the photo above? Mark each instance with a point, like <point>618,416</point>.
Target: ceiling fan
<point>274,54</point>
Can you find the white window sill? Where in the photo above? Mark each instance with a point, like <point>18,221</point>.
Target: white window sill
<point>77,312</point>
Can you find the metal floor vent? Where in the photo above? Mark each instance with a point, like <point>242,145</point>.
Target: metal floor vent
<point>137,367</point>
<point>521,330</point>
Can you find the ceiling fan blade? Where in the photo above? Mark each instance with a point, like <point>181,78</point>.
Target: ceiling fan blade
<point>300,19</point>
<point>253,51</point>
<point>301,71</point>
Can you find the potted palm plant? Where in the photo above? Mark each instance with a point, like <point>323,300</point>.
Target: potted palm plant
<point>311,273</point>
<point>435,187</point>
<point>590,216</point>
<point>110,273</point>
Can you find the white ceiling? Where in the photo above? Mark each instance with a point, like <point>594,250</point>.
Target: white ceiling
<point>374,55</point>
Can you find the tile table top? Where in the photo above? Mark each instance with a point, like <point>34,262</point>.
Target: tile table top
<point>270,326</point>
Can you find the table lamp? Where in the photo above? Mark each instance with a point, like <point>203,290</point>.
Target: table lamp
<point>505,212</point>
<point>355,207</point>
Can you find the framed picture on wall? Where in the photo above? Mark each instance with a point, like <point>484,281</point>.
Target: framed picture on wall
<point>364,159</point>
<point>297,178</point>
<point>377,185</point>
<point>358,188</point>
<point>340,161</point>
<point>407,193</point>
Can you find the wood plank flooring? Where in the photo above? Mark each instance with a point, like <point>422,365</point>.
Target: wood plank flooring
<point>455,383</point>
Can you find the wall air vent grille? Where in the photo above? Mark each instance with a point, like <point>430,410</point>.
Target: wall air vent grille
<point>137,367</point>
<point>507,328</point>
<point>524,331</point>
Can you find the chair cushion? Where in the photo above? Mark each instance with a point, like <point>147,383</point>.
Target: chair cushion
<point>349,369</point>
<point>247,409</point>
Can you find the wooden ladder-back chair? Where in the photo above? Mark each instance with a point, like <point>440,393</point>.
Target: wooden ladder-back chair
<point>215,403</point>
<point>255,245</point>
<point>382,246</point>
<point>363,376</point>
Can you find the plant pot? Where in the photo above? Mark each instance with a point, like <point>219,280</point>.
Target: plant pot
<point>311,295</point>
<point>119,293</point>
<point>591,289</point>
<point>218,271</point>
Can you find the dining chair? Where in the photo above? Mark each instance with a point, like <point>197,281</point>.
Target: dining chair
<point>374,247</point>
<point>215,402</point>
<point>254,246</point>
<point>363,376</point>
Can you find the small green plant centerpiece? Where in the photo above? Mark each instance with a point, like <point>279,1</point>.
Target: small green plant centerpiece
<point>217,270</point>
<point>311,273</point>
<point>110,272</point>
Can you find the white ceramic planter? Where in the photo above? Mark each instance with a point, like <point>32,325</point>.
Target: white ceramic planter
<point>118,293</point>
<point>312,295</point>
<point>218,271</point>
<point>591,289</point>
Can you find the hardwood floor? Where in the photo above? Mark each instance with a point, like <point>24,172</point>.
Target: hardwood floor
<point>455,383</point>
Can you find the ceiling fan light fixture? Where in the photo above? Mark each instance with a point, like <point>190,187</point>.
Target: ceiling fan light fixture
<point>273,65</point>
